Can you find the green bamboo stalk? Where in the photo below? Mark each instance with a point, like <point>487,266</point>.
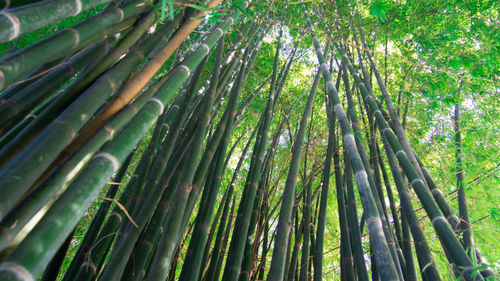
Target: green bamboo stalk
<point>427,266</point>
<point>19,21</point>
<point>45,148</point>
<point>225,240</point>
<point>465,225</point>
<point>29,78</point>
<point>65,42</point>
<point>193,260</point>
<point>16,107</point>
<point>148,199</point>
<point>354,230</point>
<point>168,242</point>
<point>52,271</point>
<point>346,259</point>
<point>218,247</point>
<point>407,251</point>
<point>387,267</point>
<point>325,184</point>
<point>372,170</point>
<point>39,123</point>
<point>277,269</point>
<point>72,91</point>
<point>304,263</point>
<point>403,140</point>
<point>392,202</point>
<point>443,229</point>
<point>57,183</point>
<point>93,230</point>
<point>4,4</point>
<point>29,259</point>
<point>236,248</point>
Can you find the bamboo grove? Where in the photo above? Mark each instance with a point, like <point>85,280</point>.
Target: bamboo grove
<point>160,140</point>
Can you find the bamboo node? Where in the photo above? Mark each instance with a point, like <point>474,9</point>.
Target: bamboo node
<point>339,110</point>
<point>9,270</point>
<point>186,69</point>
<point>14,28</point>
<point>109,157</point>
<point>78,7</point>
<point>438,219</point>
<point>76,36</point>
<point>413,182</point>
<point>157,101</point>
<point>205,46</point>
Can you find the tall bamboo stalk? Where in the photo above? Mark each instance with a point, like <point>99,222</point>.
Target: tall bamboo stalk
<point>385,263</point>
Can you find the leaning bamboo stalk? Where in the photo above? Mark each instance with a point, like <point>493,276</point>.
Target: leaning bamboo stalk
<point>372,170</point>
<point>19,21</point>
<point>16,107</point>
<point>40,153</point>
<point>442,227</point>
<point>428,268</point>
<point>68,94</point>
<point>72,204</point>
<point>97,222</point>
<point>39,122</point>
<point>133,87</point>
<point>386,265</point>
<point>65,42</point>
<point>237,245</point>
<point>32,77</point>
<point>148,199</point>
<point>170,238</point>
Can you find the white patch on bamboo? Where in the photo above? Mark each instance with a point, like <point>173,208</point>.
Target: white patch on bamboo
<point>1,79</point>
<point>109,157</point>
<point>76,36</point>
<point>122,14</point>
<point>439,218</point>
<point>368,97</point>
<point>323,67</point>
<point>329,85</point>
<point>205,46</point>
<point>220,30</point>
<point>15,25</point>
<point>232,20</point>
<point>414,181</point>
<point>374,220</point>
<point>339,110</point>
<point>375,112</point>
<point>186,69</point>
<point>349,138</point>
<point>435,190</point>
<point>78,7</point>
<point>110,131</point>
<point>400,152</point>
<point>385,129</point>
<point>16,270</point>
<point>157,101</point>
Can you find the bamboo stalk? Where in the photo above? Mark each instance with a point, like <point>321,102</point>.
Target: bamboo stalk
<point>19,21</point>
<point>65,42</point>
<point>385,263</point>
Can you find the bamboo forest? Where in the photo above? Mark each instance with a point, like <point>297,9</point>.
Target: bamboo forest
<point>242,140</point>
